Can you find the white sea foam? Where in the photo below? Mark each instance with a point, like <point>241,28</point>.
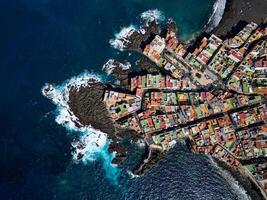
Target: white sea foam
<point>131,174</point>
<point>92,143</point>
<point>111,64</point>
<point>152,15</point>
<point>141,143</point>
<point>89,144</point>
<point>60,97</point>
<point>216,16</point>
<point>234,184</point>
<point>122,38</point>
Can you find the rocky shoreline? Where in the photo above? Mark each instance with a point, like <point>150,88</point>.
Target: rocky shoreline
<point>250,187</point>
<point>150,159</point>
<point>138,39</point>
<point>87,104</point>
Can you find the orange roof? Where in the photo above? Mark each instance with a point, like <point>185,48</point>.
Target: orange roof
<point>261,90</point>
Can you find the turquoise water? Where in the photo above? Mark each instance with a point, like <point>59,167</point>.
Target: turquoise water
<point>54,40</point>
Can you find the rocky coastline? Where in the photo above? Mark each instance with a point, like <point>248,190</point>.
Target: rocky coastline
<point>250,187</point>
<point>150,158</point>
<point>88,106</point>
<point>139,38</point>
<point>119,70</point>
<point>86,103</point>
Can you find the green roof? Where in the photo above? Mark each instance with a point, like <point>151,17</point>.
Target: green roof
<point>245,87</point>
<point>156,122</point>
<point>174,97</point>
<point>250,168</point>
<point>199,112</point>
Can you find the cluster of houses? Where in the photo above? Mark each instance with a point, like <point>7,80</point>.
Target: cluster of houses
<point>213,60</point>
<point>252,148</point>
<point>171,56</point>
<point>222,132</point>
<point>195,105</point>
<point>225,60</point>
<point>207,49</point>
<point>258,170</point>
<point>227,122</point>
<point>162,110</point>
<point>121,104</point>
<point>164,59</point>
<point>250,76</point>
<point>159,81</point>
<point>259,83</point>
<point>249,116</point>
<point>243,36</point>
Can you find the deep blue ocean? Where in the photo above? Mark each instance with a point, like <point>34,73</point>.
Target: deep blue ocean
<point>52,40</point>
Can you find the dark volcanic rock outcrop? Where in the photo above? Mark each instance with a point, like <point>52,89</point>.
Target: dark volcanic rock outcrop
<point>171,26</point>
<point>88,106</point>
<point>137,37</point>
<point>120,152</point>
<point>145,64</point>
<point>119,70</point>
<point>153,157</point>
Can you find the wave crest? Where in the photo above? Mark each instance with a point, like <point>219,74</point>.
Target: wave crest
<point>216,16</point>
<point>60,97</point>
<point>132,175</point>
<point>122,38</point>
<point>111,64</point>
<point>92,144</point>
<point>152,15</point>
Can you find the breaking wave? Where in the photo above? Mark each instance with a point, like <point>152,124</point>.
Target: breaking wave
<point>152,15</point>
<point>141,143</point>
<point>234,184</point>
<point>111,64</point>
<point>216,16</point>
<point>132,175</point>
<point>122,38</point>
<point>92,144</point>
<point>60,97</point>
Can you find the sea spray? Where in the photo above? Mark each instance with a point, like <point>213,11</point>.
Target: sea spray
<point>132,175</point>
<point>59,94</point>
<point>152,15</point>
<point>216,16</point>
<point>91,144</point>
<point>140,143</point>
<point>121,39</point>
<point>112,64</point>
